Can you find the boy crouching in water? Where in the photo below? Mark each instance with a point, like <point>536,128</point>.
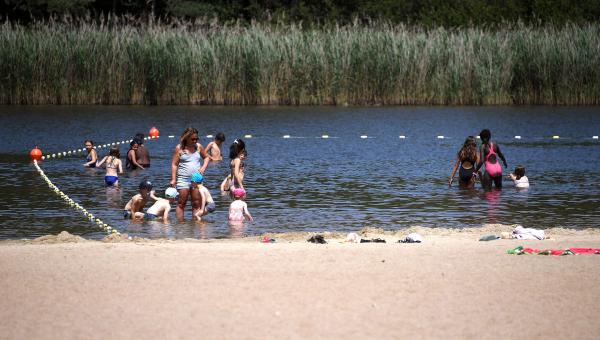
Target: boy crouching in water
<point>160,209</point>
<point>208,204</point>
<point>139,200</point>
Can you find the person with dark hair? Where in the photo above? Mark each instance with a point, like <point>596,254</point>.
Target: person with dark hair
<point>189,157</point>
<point>141,154</point>
<point>92,156</point>
<point>488,155</point>
<point>139,200</point>
<point>214,148</point>
<point>113,167</point>
<point>521,181</point>
<point>237,151</point>
<point>467,159</point>
<point>131,162</point>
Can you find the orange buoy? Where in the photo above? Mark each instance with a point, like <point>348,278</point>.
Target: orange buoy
<point>153,132</point>
<point>35,154</point>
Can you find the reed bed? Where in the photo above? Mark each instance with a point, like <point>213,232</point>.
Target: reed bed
<point>382,64</point>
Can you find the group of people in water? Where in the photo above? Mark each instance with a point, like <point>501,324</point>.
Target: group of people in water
<point>188,165</point>
<point>190,161</point>
<point>469,161</point>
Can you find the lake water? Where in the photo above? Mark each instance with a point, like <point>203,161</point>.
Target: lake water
<point>307,183</point>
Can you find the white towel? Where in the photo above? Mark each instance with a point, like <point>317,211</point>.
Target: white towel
<point>528,233</point>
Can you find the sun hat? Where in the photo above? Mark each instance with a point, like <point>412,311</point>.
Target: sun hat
<point>197,177</point>
<point>239,192</point>
<point>146,184</point>
<point>171,193</point>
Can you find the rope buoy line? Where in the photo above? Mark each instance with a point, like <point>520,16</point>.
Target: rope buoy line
<point>326,136</point>
<point>93,219</point>
<point>99,146</point>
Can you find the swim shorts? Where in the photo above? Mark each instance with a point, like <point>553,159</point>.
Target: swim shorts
<point>210,207</point>
<point>150,217</point>
<point>110,180</point>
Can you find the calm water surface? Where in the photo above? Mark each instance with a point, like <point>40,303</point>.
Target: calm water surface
<point>306,183</point>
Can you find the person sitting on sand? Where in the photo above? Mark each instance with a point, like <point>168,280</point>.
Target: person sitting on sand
<point>213,149</point>
<point>139,200</point>
<point>208,204</point>
<point>160,209</point>
<point>238,209</point>
<point>521,181</point>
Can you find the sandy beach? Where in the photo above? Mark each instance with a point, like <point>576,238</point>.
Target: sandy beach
<point>449,286</point>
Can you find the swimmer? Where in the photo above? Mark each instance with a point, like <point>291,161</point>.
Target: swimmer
<point>467,159</point>
<point>142,155</point>
<point>138,201</point>
<point>113,165</point>
<point>488,155</point>
<point>160,209</point>
<point>521,181</point>
<point>132,161</point>
<point>92,156</point>
<point>237,154</point>
<point>226,183</point>
<point>208,204</point>
<point>238,209</point>
<point>213,149</point>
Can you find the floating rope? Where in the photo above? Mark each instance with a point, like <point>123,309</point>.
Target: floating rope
<point>93,219</point>
<point>97,147</point>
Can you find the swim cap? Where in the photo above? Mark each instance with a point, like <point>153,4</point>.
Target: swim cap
<point>171,193</point>
<point>146,184</point>
<point>239,192</point>
<point>197,177</point>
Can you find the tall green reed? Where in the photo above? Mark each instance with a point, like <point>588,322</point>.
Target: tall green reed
<point>52,63</point>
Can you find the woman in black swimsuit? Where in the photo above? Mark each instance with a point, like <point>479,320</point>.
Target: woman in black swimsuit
<point>467,159</point>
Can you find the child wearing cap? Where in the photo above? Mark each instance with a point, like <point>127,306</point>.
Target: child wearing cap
<point>208,204</point>
<point>238,210</point>
<point>160,209</point>
<point>213,149</point>
<point>139,200</point>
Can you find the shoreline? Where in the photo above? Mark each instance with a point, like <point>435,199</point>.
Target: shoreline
<point>450,286</point>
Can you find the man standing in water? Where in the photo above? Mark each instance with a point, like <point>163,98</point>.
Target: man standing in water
<point>142,155</point>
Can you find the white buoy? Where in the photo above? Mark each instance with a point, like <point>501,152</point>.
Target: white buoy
<point>209,136</point>
<point>64,153</point>
<point>595,137</point>
<point>171,136</point>
<point>364,137</point>
<point>402,137</point>
<point>325,136</point>
<point>517,137</point>
<point>247,136</point>
<point>43,157</point>
<point>440,137</point>
<point>286,136</point>
<point>555,137</point>
<point>478,137</point>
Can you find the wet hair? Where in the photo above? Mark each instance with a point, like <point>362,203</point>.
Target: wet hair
<point>236,148</point>
<point>133,142</point>
<point>139,138</point>
<point>89,141</point>
<point>244,153</point>
<point>519,171</point>
<point>114,151</point>
<point>220,137</point>
<point>145,184</point>
<point>468,150</point>
<point>187,133</point>
<point>485,136</point>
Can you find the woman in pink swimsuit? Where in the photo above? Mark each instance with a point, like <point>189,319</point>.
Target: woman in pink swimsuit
<point>489,153</point>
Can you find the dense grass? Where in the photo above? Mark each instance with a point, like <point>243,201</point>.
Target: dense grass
<point>381,64</point>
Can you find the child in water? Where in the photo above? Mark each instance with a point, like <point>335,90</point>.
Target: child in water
<point>138,201</point>
<point>521,181</point>
<point>214,148</point>
<point>160,209</point>
<point>208,204</point>
<point>233,181</point>
<point>238,210</point>
<point>489,153</point>
<point>113,167</point>
<point>92,156</point>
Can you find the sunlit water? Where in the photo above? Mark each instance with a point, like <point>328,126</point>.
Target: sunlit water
<point>307,183</point>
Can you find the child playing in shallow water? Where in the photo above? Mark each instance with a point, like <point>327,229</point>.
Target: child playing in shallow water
<point>138,201</point>
<point>208,204</point>
<point>238,209</point>
<point>113,167</point>
<point>521,181</point>
<point>214,148</point>
<point>236,177</point>
<point>160,209</point>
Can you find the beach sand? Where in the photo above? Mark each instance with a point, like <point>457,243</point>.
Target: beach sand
<point>450,286</point>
